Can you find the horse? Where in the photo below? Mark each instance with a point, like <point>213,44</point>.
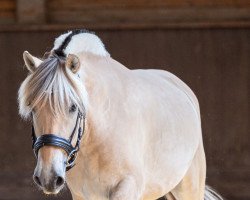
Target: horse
<point>109,132</point>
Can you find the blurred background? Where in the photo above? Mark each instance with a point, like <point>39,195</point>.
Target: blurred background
<point>204,42</point>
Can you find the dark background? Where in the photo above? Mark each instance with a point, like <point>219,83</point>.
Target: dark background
<point>211,54</point>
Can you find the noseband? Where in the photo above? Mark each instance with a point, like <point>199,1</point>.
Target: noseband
<point>65,144</point>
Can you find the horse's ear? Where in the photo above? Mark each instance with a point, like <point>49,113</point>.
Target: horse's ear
<point>73,63</point>
<point>31,62</point>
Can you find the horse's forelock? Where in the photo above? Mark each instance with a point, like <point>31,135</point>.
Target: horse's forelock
<point>51,84</point>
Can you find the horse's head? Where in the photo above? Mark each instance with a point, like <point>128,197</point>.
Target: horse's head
<point>53,97</point>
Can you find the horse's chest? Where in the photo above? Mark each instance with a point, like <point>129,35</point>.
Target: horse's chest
<point>93,178</point>
<point>91,187</point>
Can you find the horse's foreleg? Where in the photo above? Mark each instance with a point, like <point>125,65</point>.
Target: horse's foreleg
<point>128,188</point>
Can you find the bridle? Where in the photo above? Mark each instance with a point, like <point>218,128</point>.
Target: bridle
<point>65,144</point>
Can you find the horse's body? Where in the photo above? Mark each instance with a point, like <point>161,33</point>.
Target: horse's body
<point>143,135</point>
<point>143,124</point>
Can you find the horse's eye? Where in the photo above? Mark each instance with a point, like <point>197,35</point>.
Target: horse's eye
<point>72,108</point>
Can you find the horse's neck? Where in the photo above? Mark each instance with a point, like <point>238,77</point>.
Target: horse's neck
<point>103,78</point>
<point>97,73</point>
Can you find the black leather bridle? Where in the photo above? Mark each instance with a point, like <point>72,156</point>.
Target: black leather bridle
<point>65,144</point>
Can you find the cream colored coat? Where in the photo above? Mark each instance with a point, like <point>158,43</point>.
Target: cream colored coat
<point>143,135</point>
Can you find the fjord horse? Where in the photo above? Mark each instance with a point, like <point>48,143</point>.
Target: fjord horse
<point>137,133</point>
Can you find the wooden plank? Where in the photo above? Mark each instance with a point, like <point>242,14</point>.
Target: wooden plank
<point>7,14</point>
<point>149,16</point>
<point>7,17</point>
<point>5,27</point>
<point>31,11</point>
<point>79,4</point>
<point>7,5</point>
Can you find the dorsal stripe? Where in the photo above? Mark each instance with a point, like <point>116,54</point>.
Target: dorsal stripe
<point>60,50</point>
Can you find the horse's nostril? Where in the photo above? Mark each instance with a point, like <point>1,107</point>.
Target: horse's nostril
<point>59,181</point>
<point>37,180</point>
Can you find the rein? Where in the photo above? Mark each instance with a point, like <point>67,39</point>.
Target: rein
<point>65,144</point>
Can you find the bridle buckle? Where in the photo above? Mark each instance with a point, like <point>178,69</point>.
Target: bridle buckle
<point>71,159</point>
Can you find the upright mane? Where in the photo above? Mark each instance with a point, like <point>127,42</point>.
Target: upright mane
<point>54,84</point>
<point>79,41</point>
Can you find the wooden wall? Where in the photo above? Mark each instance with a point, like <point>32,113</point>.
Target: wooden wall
<point>204,42</point>
<point>213,62</point>
<point>126,13</point>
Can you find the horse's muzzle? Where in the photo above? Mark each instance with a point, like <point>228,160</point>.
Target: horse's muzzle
<point>51,185</point>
